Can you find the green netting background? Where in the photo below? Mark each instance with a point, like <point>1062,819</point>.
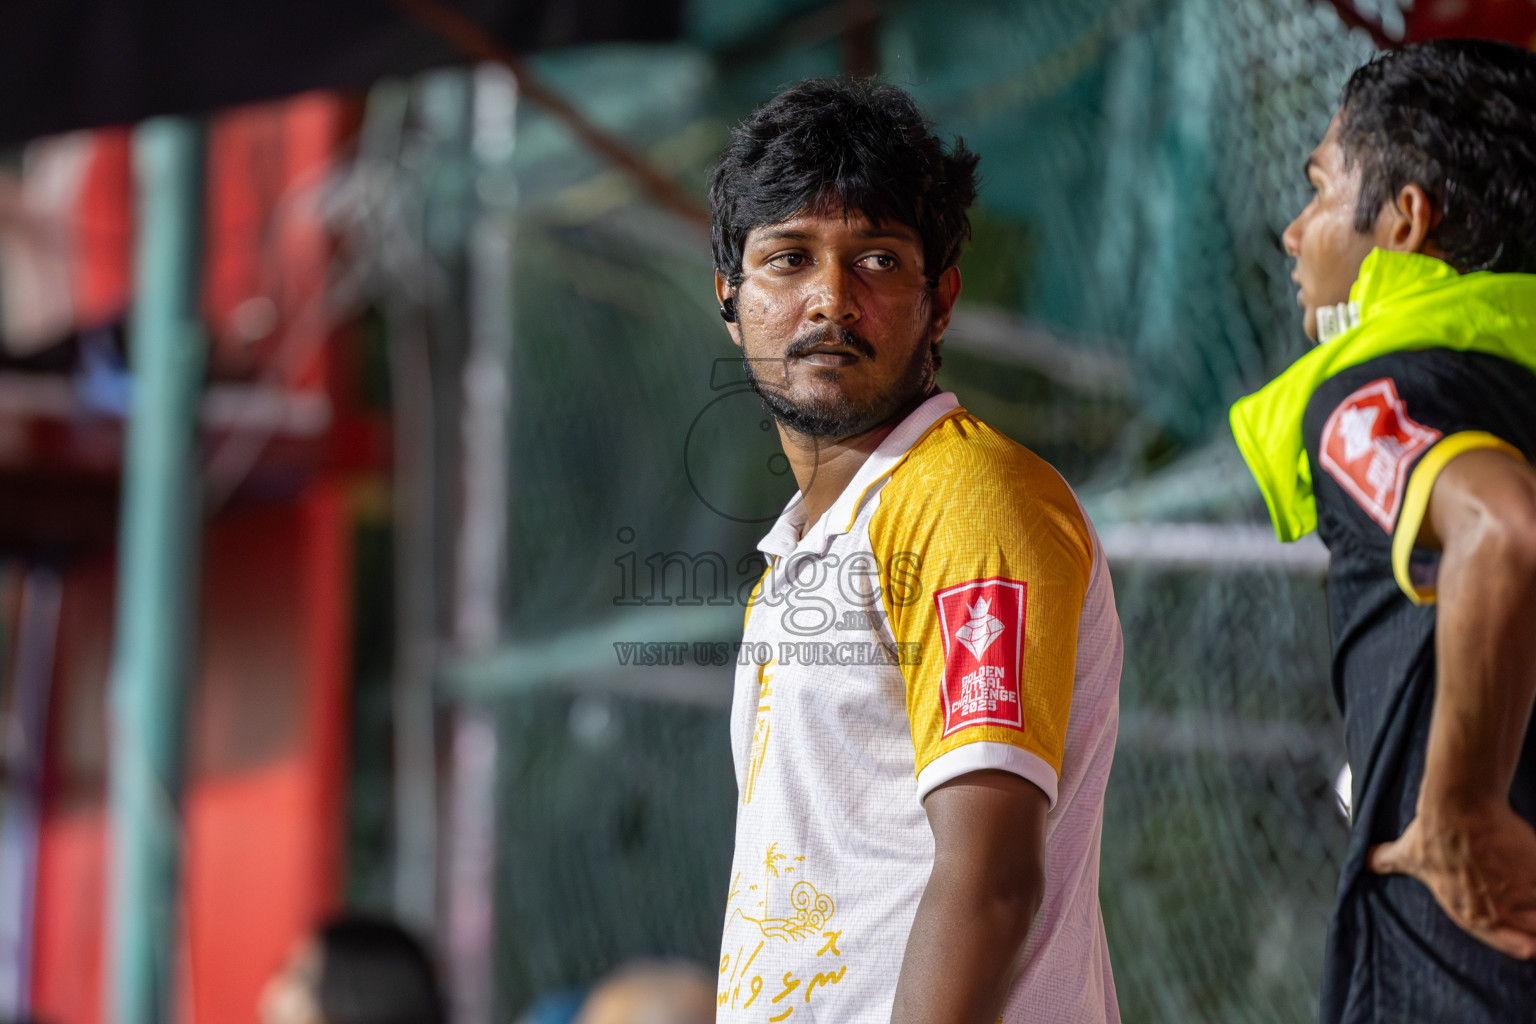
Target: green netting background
<point>1140,159</point>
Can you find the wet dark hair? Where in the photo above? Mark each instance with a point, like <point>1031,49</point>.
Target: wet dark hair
<point>856,143</point>
<point>372,971</point>
<point>1456,117</point>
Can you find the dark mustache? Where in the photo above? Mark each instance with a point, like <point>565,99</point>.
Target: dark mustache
<point>829,333</point>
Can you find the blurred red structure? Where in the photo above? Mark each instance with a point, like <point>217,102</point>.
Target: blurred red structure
<point>1393,22</point>
<point>287,444</point>
<point>267,742</point>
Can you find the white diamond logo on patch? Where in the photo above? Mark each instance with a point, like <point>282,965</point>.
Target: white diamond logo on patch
<point>1356,427</point>
<point>981,630</point>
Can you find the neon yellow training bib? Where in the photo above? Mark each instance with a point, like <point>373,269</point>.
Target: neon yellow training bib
<point>1406,302</point>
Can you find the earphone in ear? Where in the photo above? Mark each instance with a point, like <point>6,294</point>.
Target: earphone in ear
<point>728,309</point>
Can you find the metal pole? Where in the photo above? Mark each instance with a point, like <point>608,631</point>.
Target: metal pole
<point>486,468</point>
<point>412,697</point>
<point>482,546</point>
<point>155,583</point>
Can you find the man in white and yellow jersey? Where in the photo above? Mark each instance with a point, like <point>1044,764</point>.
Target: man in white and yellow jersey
<point>926,707</point>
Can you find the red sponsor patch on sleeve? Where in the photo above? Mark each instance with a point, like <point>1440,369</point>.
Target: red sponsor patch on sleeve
<point>982,623</point>
<point>1368,444</point>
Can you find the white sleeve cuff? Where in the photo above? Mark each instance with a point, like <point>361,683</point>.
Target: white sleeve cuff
<point>983,755</point>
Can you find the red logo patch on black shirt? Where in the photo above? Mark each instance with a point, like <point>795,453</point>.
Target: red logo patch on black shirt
<point>982,623</point>
<point>1368,444</point>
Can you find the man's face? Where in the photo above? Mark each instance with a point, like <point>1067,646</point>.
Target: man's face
<point>1322,239</point>
<point>836,321</point>
<point>289,996</point>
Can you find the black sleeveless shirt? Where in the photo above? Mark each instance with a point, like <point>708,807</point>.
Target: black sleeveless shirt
<point>1393,954</point>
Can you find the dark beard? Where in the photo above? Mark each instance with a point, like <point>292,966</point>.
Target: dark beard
<point>838,417</point>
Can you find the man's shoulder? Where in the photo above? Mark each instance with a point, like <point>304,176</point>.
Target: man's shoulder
<point>961,455</point>
<point>965,477</point>
<point>1376,428</point>
<point>1407,401</point>
<point>1436,381</point>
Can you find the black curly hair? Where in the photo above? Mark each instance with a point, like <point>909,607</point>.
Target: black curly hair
<point>372,971</point>
<point>1457,117</point>
<point>854,142</point>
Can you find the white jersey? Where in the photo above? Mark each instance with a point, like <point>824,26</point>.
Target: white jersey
<point>951,612</point>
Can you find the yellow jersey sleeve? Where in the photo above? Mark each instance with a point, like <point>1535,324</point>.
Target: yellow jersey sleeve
<point>1421,484</point>
<point>985,559</point>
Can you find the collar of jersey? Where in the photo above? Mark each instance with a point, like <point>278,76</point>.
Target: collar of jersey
<point>780,541</point>
<point>1407,302</point>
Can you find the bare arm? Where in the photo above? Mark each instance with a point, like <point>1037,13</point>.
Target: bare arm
<point>1476,855</point>
<point>987,882</point>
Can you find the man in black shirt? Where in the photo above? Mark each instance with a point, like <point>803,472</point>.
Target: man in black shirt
<point>1406,439</point>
